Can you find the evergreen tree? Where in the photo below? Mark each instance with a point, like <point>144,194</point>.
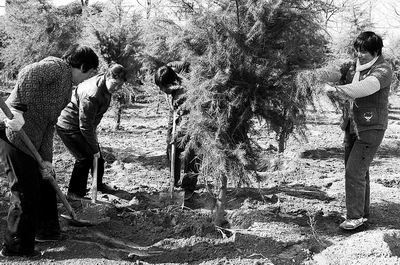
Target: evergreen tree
<point>36,29</point>
<point>245,58</point>
<point>115,33</point>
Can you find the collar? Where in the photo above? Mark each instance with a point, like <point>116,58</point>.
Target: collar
<point>362,67</point>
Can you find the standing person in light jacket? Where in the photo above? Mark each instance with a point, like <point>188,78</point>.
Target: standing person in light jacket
<point>365,118</point>
<point>77,126</point>
<point>42,90</point>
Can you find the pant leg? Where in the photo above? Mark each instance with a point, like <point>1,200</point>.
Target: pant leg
<point>359,153</point>
<point>80,149</point>
<point>100,170</point>
<point>177,164</point>
<point>24,177</point>
<point>48,223</point>
<point>191,171</point>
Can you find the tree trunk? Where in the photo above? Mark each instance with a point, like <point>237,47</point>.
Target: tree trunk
<point>219,217</point>
<point>282,141</point>
<point>117,125</point>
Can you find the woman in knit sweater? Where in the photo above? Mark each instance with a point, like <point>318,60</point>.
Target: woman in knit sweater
<point>42,90</point>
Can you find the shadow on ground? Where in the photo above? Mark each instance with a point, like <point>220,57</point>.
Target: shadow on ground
<point>323,153</point>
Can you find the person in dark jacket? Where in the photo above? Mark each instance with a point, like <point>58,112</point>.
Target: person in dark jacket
<point>366,85</point>
<point>42,90</point>
<point>170,83</point>
<point>77,126</point>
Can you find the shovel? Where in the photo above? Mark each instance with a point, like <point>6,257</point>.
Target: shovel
<point>72,215</point>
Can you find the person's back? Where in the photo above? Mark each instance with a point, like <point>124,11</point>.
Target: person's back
<point>91,91</point>
<point>41,92</point>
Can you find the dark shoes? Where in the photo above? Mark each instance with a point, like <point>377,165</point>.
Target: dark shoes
<point>73,197</point>
<point>7,253</point>
<point>42,238</point>
<point>104,188</point>
<point>188,195</point>
<point>190,199</point>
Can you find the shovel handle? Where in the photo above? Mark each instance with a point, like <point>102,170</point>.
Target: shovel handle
<point>38,158</point>
<point>94,180</point>
<point>173,154</point>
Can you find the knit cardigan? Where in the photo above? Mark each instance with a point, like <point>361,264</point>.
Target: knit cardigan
<point>45,88</point>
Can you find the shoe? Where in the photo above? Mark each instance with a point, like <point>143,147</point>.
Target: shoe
<point>7,253</point>
<point>188,195</point>
<point>351,224</point>
<point>73,197</point>
<point>104,188</point>
<point>50,238</point>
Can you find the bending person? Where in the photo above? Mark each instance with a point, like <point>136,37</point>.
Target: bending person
<point>42,90</point>
<point>77,126</point>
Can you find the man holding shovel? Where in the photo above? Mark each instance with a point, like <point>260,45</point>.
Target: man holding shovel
<point>42,90</point>
<point>77,126</point>
<point>170,83</point>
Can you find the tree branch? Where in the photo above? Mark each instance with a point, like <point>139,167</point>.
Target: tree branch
<point>237,13</point>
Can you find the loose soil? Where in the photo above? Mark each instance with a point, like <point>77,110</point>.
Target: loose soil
<point>290,217</point>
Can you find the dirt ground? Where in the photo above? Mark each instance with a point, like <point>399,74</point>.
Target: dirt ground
<point>290,217</point>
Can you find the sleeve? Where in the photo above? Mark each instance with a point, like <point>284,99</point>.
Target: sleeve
<point>87,115</point>
<point>365,87</point>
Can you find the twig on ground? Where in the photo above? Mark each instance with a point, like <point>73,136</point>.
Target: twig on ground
<point>256,254</point>
<point>187,208</point>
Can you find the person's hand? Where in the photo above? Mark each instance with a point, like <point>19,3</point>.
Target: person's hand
<point>16,122</point>
<point>47,170</point>
<point>328,88</point>
<point>97,155</point>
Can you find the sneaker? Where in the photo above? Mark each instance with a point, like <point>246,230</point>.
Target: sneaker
<point>351,224</point>
<point>50,238</point>
<point>7,253</point>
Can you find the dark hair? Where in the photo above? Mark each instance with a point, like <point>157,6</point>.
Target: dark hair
<point>117,71</point>
<point>165,76</point>
<point>82,57</point>
<point>370,42</point>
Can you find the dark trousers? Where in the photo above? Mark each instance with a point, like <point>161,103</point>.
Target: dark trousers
<point>191,166</point>
<point>359,153</point>
<point>33,202</point>
<point>80,149</point>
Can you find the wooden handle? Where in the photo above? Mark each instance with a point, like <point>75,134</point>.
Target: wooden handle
<point>38,158</point>
<point>94,180</point>
<point>173,154</point>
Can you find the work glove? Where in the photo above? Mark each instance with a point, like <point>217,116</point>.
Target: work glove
<point>16,122</point>
<point>48,170</point>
